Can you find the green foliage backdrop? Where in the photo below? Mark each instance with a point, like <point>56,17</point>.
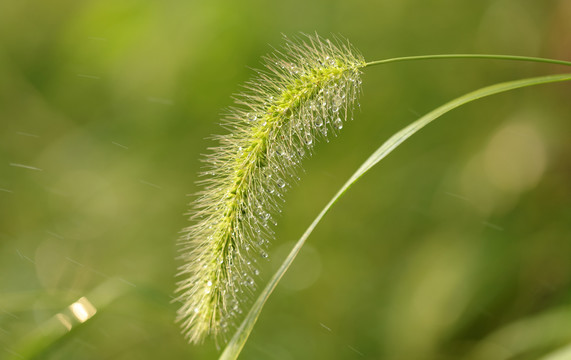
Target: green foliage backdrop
<point>454,247</point>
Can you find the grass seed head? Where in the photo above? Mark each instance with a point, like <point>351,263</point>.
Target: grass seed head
<point>305,93</point>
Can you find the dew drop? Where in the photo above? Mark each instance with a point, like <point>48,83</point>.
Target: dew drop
<point>337,101</point>
<point>318,121</point>
<point>252,117</point>
<point>209,283</point>
<point>338,123</point>
<point>256,271</point>
<point>307,139</point>
<point>281,183</point>
<point>264,254</point>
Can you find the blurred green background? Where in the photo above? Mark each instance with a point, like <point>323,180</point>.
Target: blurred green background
<point>457,246</point>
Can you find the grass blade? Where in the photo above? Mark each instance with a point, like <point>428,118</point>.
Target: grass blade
<point>560,354</point>
<point>62,326</point>
<point>237,342</point>
<point>547,330</point>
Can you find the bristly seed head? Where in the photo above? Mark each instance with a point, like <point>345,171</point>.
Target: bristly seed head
<point>305,92</point>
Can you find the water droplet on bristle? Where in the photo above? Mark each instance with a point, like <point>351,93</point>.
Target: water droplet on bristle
<point>337,101</point>
<point>338,123</point>
<point>307,139</point>
<point>318,121</point>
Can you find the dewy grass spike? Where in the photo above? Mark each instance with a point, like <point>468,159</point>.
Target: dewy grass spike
<point>306,92</point>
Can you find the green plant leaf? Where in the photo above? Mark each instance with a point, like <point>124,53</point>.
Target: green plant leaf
<point>237,342</point>
<point>62,326</point>
<point>560,354</point>
<point>547,330</point>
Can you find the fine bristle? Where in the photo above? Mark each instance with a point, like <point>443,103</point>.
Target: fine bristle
<point>305,93</point>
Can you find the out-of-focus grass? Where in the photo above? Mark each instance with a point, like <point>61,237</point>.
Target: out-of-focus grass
<point>462,232</point>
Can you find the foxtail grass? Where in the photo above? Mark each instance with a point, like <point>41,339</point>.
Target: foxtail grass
<point>305,93</point>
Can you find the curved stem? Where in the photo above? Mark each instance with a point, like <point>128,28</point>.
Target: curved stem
<point>469,56</point>
<point>237,342</point>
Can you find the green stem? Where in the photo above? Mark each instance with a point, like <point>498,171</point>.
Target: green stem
<point>41,341</point>
<point>237,342</point>
<point>469,56</point>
